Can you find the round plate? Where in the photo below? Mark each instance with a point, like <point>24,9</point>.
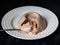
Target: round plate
<point>10,20</point>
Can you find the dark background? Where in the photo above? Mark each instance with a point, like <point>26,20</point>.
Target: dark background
<point>7,5</point>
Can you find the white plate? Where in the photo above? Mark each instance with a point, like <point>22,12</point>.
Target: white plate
<point>11,18</point>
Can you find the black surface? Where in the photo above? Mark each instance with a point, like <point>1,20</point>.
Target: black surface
<point>7,5</point>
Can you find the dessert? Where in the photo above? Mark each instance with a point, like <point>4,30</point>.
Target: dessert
<point>32,23</point>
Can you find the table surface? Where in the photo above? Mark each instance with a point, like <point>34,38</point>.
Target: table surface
<point>8,5</point>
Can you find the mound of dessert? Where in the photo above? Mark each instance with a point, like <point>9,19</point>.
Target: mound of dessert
<point>32,23</point>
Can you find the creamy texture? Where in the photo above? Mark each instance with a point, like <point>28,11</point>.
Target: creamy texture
<point>32,23</point>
